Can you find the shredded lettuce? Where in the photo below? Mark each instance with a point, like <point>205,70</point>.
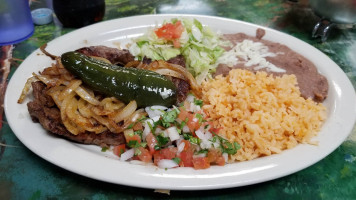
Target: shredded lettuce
<point>200,46</point>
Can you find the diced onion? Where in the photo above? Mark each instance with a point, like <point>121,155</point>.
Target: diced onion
<point>155,111</point>
<point>166,164</point>
<point>180,147</point>
<point>127,154</point>
<point>169,72</point>
<point>173,133</point>
<point>186,129</point>
<point>201,155</point>
<point>226,157</point>
<point>26,89</point>
<point>200,134</point>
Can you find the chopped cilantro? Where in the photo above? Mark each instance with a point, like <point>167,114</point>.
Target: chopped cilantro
<point>130,126</point>
<point>169,117</point>
<point>187,136</point>
<point>121,151</point>
<point>104,149</point>
<point>198,102</point>
<point>199,117</point>
<point>157,147</point>
<point>176,160</point>
<point>151,127</point>
<point>214,139</point>
<point>136,144</point>
<point>133,124</point>
<point>132,143</point>
<point>138,132</point>
<point>201,151</point>
<point>191,138</point>
<point>226,146</point>
<point>161,140</point>
<point>194,140</point>
<point>137,152</point>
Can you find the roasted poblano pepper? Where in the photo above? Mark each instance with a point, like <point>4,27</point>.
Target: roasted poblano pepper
<point>126,84</point>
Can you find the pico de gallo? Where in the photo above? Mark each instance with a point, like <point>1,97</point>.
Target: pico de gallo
<point>176,137</point>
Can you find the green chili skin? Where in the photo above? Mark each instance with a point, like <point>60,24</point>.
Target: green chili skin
<point>126,84</point>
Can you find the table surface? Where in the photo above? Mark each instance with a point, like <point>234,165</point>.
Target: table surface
<point>24,175</point>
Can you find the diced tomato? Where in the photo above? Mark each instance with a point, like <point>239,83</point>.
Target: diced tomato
<point>220,161</point>
<point>144,155</point>
<point>118,150</point>
<point>129,136</point>
<point>183,114</point>
<point>157,156</point>
<point>186,158</point>
<point>170,31</point>
<point>192,123</point>
<point>176,43</point>
<point>151,143</point>
<point>167,153</point>
<point>215,130</point>
<point>215,157</point>
<point>137,126</point>
<point>187,146</point>
<point>201,163</point>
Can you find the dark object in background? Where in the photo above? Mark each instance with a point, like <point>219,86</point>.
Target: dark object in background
<point>79,13</point>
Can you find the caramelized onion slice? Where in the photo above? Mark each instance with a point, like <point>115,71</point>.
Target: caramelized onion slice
<point>26,88</point>
<point>169,72</point>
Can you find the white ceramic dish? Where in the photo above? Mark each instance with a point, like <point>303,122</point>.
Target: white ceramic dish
<point>89,161</point>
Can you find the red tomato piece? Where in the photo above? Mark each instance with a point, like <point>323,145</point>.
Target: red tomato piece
<point>176,43</point>
<point>186,158</point>
<point>170,31</point>
<point>130,137</point>
<point>167,153</point>
<point>220,161</point>
<point>151,143</point>
<point>157,156</point>
<point>193,123</point>
<point>183,114</point>
<point>118,150</point>
<point>215,157</point>
<point>201,163</point>
<point>137,126</point>
<point>187,146</point>
<point>144,155</point>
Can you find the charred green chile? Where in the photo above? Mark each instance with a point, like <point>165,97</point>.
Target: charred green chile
<point>146,87</point>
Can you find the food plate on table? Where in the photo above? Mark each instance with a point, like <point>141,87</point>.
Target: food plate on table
<point>90,161</point>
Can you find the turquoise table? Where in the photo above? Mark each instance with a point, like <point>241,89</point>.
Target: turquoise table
<point>24,175</point>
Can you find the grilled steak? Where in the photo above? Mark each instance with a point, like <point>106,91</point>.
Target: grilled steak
<point>178,60</point>
<point>115,56</point>
<point>43,110</point>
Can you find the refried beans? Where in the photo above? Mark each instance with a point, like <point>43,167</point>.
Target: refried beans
<point>311,84</point>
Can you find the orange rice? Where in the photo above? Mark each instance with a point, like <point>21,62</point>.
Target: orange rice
<point>264,114</point>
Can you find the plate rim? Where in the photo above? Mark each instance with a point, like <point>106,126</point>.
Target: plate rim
<point>7,106</point>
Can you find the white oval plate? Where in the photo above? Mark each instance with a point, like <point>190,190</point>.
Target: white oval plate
<point>88,160</point>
